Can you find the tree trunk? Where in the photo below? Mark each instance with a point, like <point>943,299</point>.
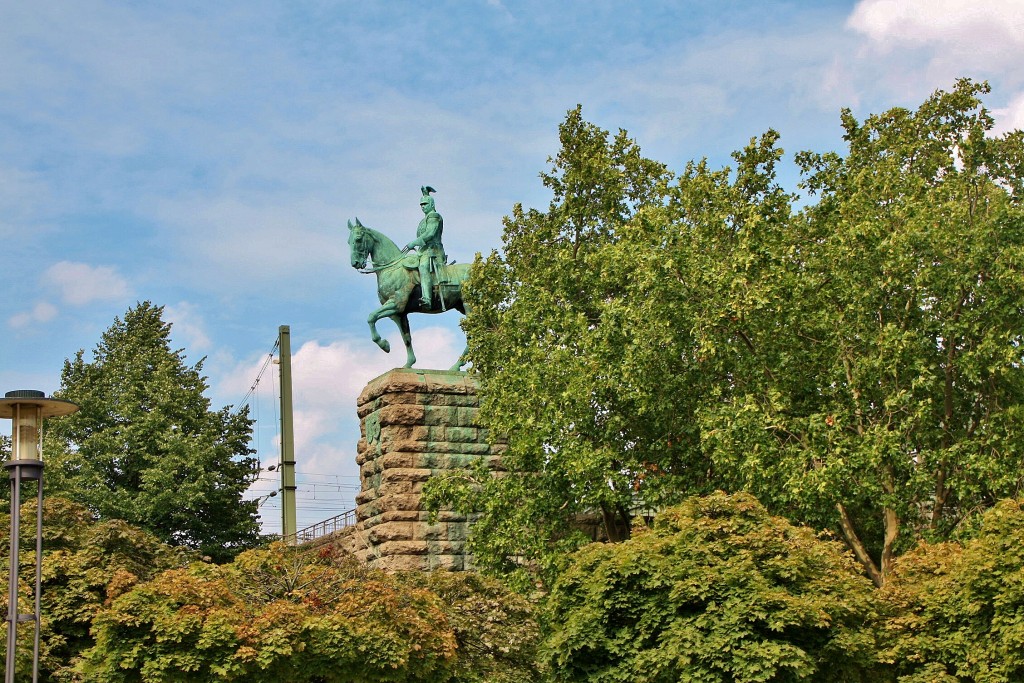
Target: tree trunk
<point>612,526</point>
<point>892,530</point>
<point>855,544</point>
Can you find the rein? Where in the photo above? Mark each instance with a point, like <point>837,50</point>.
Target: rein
<point>377,269</point>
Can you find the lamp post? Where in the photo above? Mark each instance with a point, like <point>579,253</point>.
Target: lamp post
<point>26,409</point>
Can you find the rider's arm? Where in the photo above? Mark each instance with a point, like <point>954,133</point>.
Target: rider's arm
<point>432,224</point>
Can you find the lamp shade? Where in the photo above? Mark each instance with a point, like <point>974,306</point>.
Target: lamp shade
<point>27,409</point>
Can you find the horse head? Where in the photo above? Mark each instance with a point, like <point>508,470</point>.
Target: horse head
<point>359,244</point>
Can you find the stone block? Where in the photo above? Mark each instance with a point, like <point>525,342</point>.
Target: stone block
<point>403,547</point>
<point>398,501</point>
<point>402,516</point>
<point>462,434</point>
<point>467,417</point>
<point>444,399</point>
<point>442,531</point>
<point>451,563</point>
<point>393,531</point>
<point>406,433</point>
<point>437,415</point>
<point>402,415</point>
<point>393,474</point>
<point>391,488</point>
<point>397,398</point>
<point>416,380</point>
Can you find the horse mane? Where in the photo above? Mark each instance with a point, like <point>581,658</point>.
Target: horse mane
<point>386,243</point>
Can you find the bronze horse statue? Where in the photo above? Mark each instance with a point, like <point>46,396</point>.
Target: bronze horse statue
<point>398,285</point>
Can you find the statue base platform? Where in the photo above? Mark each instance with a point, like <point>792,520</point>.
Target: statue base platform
<point>415,424</point>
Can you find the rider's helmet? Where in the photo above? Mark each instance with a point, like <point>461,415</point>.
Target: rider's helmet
<point>426,201</point>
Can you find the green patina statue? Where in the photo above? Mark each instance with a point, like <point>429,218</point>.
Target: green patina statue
<point>409,283</point>
<point>428,246</point>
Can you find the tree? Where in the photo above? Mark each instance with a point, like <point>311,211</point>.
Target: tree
<point>716,590</point>
<point>85,563</point>
<point>956,611</point>
<point>883,390</point>
<point>311,615</point>
<point>496,631</point>
<point>539,336</point>
<point>590,337</point>
<point>145,446</point>
<point>854,363</point>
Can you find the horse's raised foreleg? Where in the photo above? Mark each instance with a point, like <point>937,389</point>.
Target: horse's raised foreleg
<point>402,320</point>
<point>386,311</point>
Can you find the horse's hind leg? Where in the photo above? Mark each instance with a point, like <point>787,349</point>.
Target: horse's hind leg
<point>462,359</point>
<point>402,320</point>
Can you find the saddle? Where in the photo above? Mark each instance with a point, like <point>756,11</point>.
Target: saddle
<point>442,275</point>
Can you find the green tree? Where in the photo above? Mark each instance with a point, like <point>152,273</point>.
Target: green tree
<point>716,590</point>
<point>145,446</point>
<point>85,563</point>
<point>957,610</point>
<point>854,363</point>
<point>882,390</point>
<point>312,615</point>
<point>591,333</point>
<point>544,343</point>
<point>496,631</point>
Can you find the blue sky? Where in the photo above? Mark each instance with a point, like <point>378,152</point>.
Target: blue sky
<point>206,156</point>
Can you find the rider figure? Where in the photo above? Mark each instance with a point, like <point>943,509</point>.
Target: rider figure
<point>428,245</point>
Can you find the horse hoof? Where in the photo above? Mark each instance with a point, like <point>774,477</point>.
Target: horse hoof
<point>386,345</point>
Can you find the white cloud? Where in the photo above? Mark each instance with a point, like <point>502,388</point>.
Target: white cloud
<point>954,37</point>
<point>188,326</point>
<point>959,22</point>
<point>1010,117</point>
<point>327,378</point>
<point>42,312</point>
<point>80,284</point>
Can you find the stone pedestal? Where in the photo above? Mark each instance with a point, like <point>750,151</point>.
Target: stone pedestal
<point>414,424</point>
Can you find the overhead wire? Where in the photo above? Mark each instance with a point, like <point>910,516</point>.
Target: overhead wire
<point>334,495</point>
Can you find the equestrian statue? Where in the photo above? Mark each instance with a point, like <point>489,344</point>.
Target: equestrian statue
<point>419,282</point>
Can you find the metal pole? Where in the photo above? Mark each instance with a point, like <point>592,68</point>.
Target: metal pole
<point>39,574</point>
<point>287,438</point>
<point>12,585</point>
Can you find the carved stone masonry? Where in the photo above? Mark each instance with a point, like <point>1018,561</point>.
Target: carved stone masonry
<point>414,424</point>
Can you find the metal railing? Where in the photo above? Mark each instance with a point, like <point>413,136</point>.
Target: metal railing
<point>324,528</point>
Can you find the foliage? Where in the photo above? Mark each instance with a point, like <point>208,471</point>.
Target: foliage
<point>882,390</point>
<point>551,357</point>
<point>85,563</point>
<point>958,610</point>
<point>145,446</point>
<point>495,630</point>
<point>853,363</point>
<point>311,615</point>
<point>717,590</point>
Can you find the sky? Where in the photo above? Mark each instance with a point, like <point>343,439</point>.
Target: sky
<point>207,156</point>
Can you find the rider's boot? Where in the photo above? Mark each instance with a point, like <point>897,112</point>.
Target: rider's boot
<point>426,285</point>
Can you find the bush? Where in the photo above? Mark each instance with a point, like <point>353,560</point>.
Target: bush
<point>717,590</point>
<point>958,610</point>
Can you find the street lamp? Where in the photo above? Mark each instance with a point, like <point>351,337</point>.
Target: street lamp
<point>26,409</point>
